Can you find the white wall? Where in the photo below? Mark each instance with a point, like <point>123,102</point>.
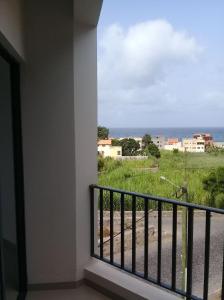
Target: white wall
<point>59,120</point>
<point>85,85</point>
<point>48,136</point>
<point>12,27</point>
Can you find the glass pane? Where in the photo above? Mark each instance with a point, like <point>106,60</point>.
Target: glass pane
<point>8,210</point>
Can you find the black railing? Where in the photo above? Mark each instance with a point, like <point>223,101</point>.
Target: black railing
<point>118,200</point>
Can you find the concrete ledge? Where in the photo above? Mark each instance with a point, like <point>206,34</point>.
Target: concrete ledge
<point>118,284</point>
<point>55,286</point>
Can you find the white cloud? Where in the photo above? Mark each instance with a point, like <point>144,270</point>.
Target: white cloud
<point>140,56</point>
<point>150,68</point>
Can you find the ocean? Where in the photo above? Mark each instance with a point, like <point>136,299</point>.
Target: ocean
<point>216,132</point>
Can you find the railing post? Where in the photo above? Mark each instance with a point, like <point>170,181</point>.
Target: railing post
<point>111,228</point>
<point>207,254</point>
<point>101,223</point>
<point>190,251</point>
<point>122,231</point>
<point>146,242</point>
<point>92,233</point>
<point>222,292</point>
<point>133,234</point>
<point>174,247</point>
<point>159,242</point>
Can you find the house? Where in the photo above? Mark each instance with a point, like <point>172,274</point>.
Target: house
<point>48,232</point>
<point>194,145</point>
<point>207,137</point>
<point>172,141</point>
<point>105,149</point>
<point>159,141</point>
<point>178,146</point>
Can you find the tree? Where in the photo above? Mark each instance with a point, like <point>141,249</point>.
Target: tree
<point>146,141</point>
<point>116,142</point>
<point>130,147</point>
<point>153,150</point>
<point>103,133</point>
<point>214,184</point>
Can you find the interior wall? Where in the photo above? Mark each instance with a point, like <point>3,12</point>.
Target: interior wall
<point>12,27</point>
<point>48,141</point>
<point>59,130</point>
<point>85,86</point>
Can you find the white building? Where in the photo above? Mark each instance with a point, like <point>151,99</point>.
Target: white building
<point>178,146</point>
<point>159,141</point>
<point>105,148</point>
<point>194,145</point>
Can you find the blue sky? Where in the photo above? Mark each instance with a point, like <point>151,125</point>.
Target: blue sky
<point>160,63</point>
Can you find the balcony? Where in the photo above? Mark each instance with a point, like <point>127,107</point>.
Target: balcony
<point>126,216</point>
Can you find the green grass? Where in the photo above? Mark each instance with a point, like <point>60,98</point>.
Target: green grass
<point>136,176</point>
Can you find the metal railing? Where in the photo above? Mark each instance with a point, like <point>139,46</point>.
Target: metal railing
<point>98,199</point>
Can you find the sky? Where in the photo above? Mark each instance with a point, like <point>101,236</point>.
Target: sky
<point>161,63</point>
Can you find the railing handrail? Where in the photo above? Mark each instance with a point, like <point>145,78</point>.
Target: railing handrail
<point>162,199</point>
<point>187,237</point>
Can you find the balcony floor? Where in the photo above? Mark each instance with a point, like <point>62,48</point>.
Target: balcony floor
<point>84,292</point>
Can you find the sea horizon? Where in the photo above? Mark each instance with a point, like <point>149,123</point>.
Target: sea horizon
<point>167,132</point>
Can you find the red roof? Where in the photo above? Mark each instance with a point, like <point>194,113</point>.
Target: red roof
<point>104,142</point>
<point>172,141</point>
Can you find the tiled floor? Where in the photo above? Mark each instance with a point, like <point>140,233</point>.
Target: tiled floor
<point>82,293</point>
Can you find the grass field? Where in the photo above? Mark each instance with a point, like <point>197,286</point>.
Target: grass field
<point>144,177</point>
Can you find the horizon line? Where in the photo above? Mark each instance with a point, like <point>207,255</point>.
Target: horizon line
<point>152,127</point>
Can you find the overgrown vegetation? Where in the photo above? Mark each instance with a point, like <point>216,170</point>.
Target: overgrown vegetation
<point>144,176</point>
<point>214,184</point>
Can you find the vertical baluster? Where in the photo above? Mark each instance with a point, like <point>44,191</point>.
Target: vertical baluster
<point>190,251</point>
<point>101,223</point>
<point>122,231</point>
<point>146,242</point>
<point>111,228</point>
<point>222,295</point>
<point>159,242</point>
<point>207,254</point>
<point>174,247</point>
<point>133,234</point>
<point>92,232</point>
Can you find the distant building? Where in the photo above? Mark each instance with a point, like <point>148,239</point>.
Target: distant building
<point>219,144</point>
<point>194,145</point>
<point>172,141</point>
<point>159,141</point>
<point>105,148</point>
<point>207,137</point>
<point>178,146</point>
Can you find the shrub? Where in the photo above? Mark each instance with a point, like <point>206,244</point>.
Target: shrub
<point>175,151</point>
<point>101,163</point>
<point>219,200</point>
